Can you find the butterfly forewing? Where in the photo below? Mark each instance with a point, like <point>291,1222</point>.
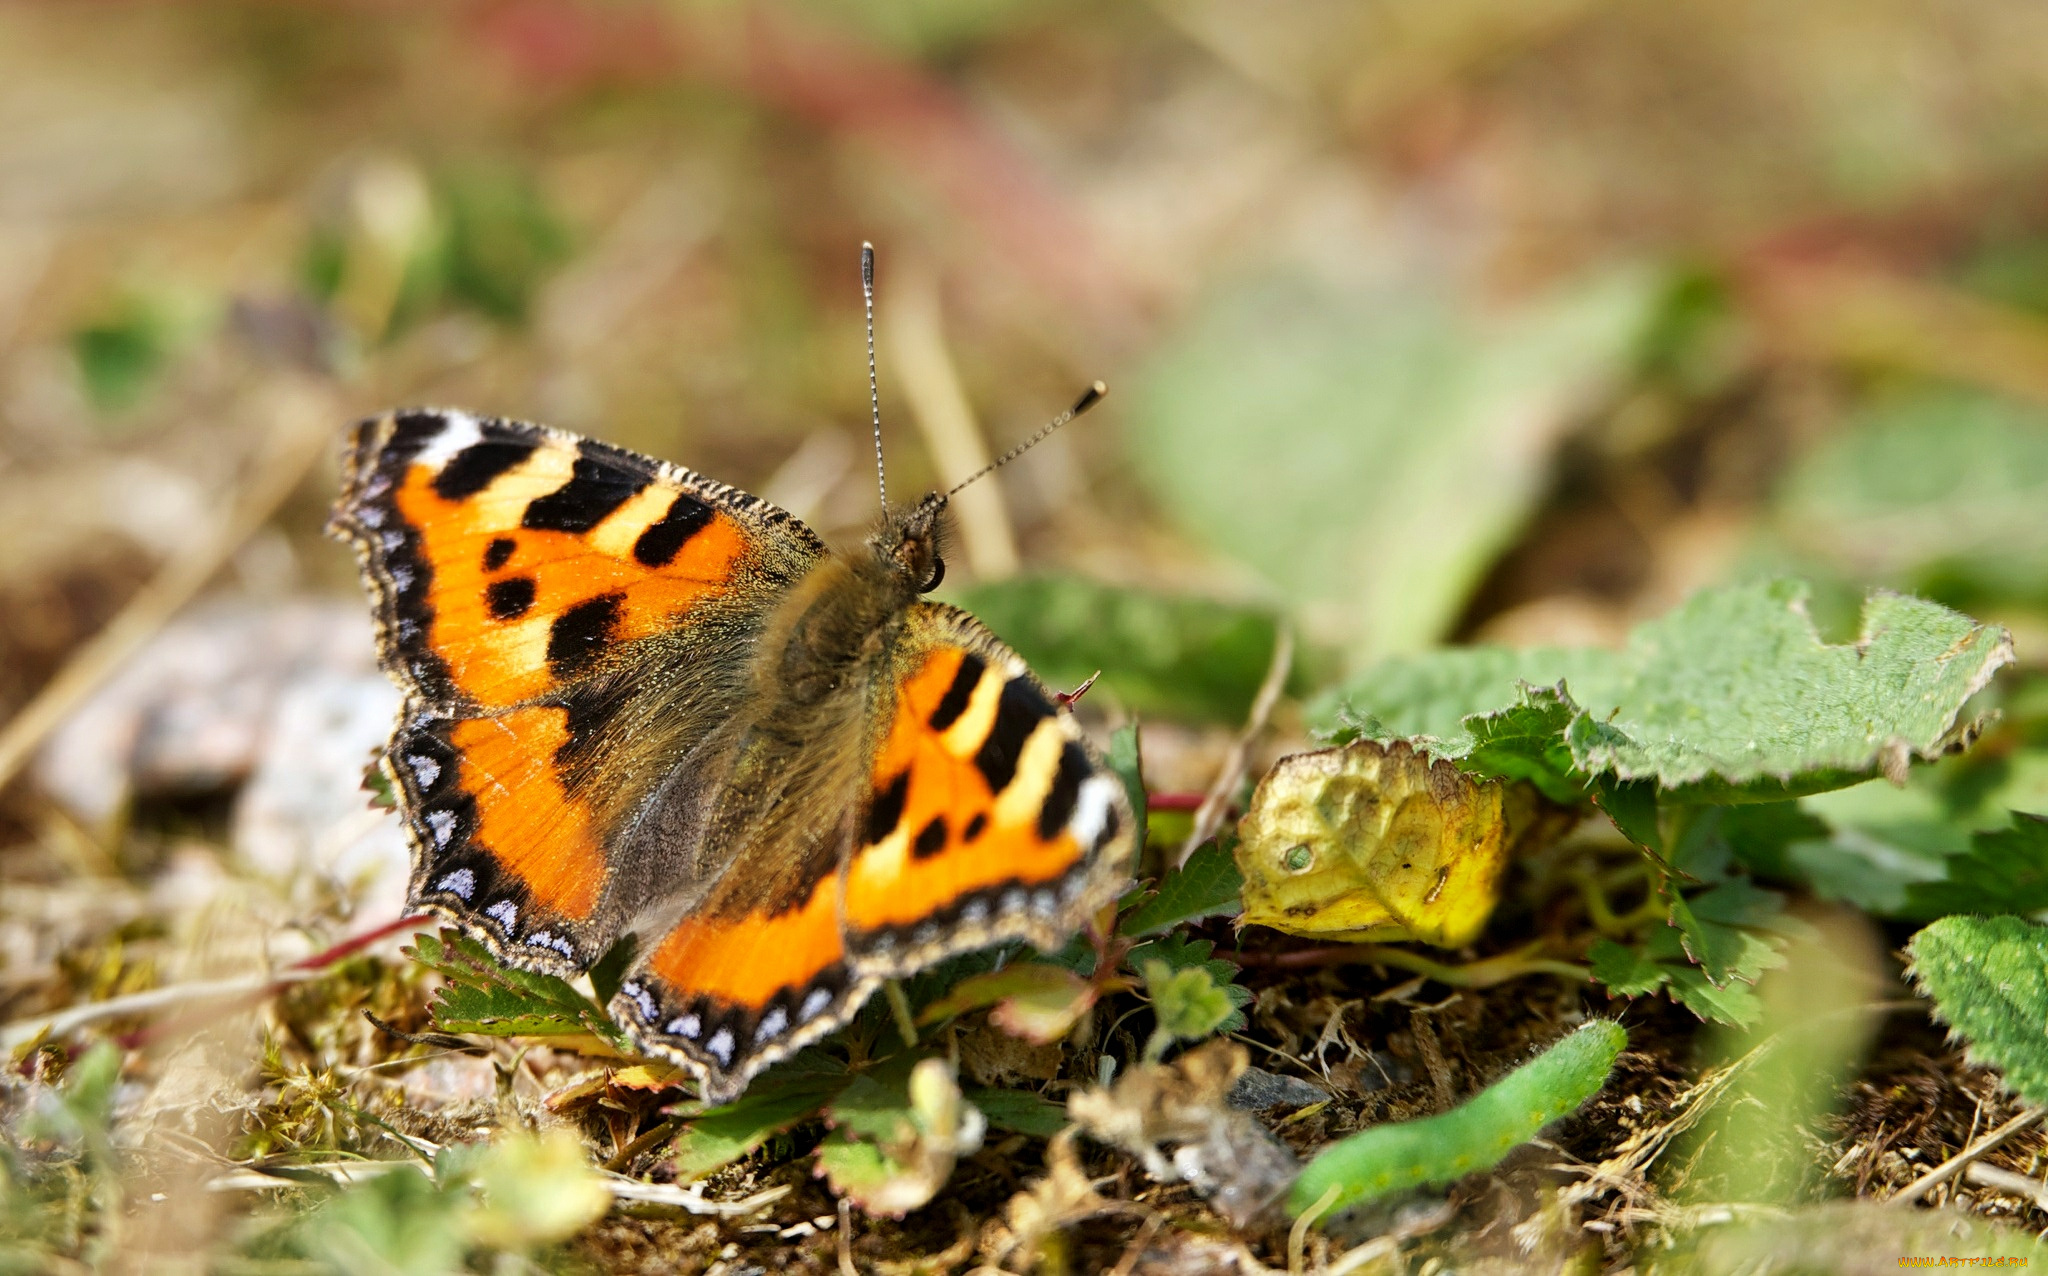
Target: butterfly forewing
<point>527,584</point>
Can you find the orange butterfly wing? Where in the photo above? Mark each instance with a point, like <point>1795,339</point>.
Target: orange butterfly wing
<point>984,816</point>
<point>517,573</point>
<point>990,817</point>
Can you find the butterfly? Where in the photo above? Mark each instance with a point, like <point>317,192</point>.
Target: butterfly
<point>638,701</point>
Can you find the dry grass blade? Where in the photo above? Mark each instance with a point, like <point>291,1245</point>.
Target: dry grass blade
<point>938,403</point>
<point>2032,1190</point>
<point>142,1003</point>
<point>1209,815</point>
<point>1956,1164</point>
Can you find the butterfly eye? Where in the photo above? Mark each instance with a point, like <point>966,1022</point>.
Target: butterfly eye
<point>1298,858</point>
<point>938,574</point>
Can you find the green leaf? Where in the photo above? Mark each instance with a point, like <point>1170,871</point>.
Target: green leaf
<point>1020,1111</point>
<point>1717,930</point>
<point>118,358</point>
<point>1633,807</point>
<point>1731,697</point>
<point>1208,885</point>
<point>1370,455</point>
<point>1176,657</point>
<point>1192,991</point>
<point>896,1134</point>
<point>502,240</point>
<point>1934,489</point>
<point>776,1100</point>
<point>1988,978</point>
<point>1761,836</point>
<point>536,1191</point>
<point>1730,1003</point>
<point>1180,952</point>
<point>1717,944</point>
<point>1039,982</point>
<point>1188,1003</point>
<point>85,1103</point>
<point>610,969</point>
<point>399,1222</point>
<point>1960,836</point>
<point>482,997</point>
<point>1527,742</point>
<point>1626,971</point>
<point>2003,871</point>
<point>1126,757</point>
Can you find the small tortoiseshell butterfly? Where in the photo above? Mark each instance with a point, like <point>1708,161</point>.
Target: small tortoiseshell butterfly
<point>640,701</point>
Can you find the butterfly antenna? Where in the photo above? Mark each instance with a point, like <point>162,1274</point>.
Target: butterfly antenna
<point>1089,398</point>
<point>867,293</point>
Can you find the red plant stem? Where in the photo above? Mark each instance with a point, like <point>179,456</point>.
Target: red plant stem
<point>1174,801</point>
<point>350,947</point>
<point>1328,955</point>
<point>148,1033</point>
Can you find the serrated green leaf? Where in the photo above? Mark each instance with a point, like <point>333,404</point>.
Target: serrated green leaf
<point>1735,930</point>
<point>1020,1111</point>
<point>875,1105</point>
<point>1207,992</point>
<point>1526,742</point>
<point>1208,885</point>
<point>1988,978</point>
<point>1732,696</point>
<point>482,997</point>
<point>1760,835</point>
<point>1633,808</point>
<point>1738,903</point>
<point>1180,952</point>
<point>2003,871</point>
<point>1731,1003</point>
<point>776,1100</point>
<point>1126,757</point>
<point>1188,1003</point>
<point>1625,971</point>
<point>1177,657</point>
<point>1715,929</point>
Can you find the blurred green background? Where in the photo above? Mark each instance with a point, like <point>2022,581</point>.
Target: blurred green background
<point>1424,319</point>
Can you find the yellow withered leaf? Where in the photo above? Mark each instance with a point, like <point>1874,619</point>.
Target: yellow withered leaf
<point>1381,843</point>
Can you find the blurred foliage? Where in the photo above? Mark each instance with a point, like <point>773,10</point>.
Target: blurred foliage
<point>399,246</point>
<point>1177,657</point>
<point>1372,455</point>
<point>1938,491</point>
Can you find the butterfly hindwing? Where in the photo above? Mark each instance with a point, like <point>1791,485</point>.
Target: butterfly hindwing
<point>989,815</point>
<point>979,814</point>
<point>522,578</point>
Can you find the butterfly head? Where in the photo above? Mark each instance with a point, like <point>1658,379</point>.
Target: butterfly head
<point>907,543</point>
